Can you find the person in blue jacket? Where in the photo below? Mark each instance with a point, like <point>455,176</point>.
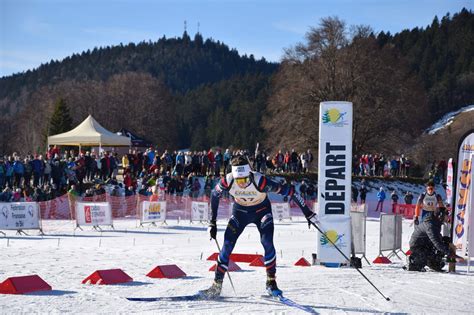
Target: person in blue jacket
<point>249,190</point>
<point>380,198</point>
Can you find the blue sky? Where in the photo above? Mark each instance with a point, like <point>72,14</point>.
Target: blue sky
<point>35,31</point>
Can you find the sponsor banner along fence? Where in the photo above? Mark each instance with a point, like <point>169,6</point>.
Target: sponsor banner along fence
<point>153,211</point>
<point>199,211</point>
<point>281,211</point>
<point>93,213</point>
<point>19,216</point>
<point>63,207</point>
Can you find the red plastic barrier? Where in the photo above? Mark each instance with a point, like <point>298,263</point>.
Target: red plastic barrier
<point>245,258</point>
<point>258,262</point>
<point>166,271</point>
<point>302,262</point>
<point>232,267</point>
<point>110,276</point>
<point>382,260</point>
<point>24,284</point>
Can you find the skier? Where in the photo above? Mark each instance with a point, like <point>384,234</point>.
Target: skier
<point>428,202</point>
<point>249,190</point>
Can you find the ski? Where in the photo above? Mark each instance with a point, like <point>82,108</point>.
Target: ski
<point>281,299</point>
<point>178,298</point>
<point>193,297</point>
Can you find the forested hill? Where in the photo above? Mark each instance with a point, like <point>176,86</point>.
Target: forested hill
<point>182,63</point>
<point>442,56</point>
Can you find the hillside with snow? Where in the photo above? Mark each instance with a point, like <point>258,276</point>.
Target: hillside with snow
<point>448,119</point>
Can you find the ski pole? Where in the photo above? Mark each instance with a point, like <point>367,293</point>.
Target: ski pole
<point>227,271</point>
<point>344,255</point>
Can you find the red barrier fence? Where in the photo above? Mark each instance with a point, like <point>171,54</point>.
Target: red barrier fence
<point>407,211</point>
<point>63,207</point>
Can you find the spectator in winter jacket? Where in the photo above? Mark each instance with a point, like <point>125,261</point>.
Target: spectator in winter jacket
<point>380,199</point>
<point>355,194</point>
<point>19,170</point>
<point>218,159</point>
<point>3,173</point>
<point>196,188</point>
<point>294,160</point>
<point>363,193</point>
<point>37,167</point>
<point>394,197</point>
<point>408,198</point>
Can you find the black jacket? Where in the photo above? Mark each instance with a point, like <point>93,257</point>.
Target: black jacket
<point>428,234</point>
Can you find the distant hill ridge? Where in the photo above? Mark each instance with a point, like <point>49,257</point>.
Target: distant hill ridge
<point>182,63</point>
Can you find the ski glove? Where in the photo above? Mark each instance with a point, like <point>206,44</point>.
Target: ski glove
<point>212,229</point>
<point>416,221</point>
<point>312,219</point>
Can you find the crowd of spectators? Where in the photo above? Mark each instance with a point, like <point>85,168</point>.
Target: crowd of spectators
<point>380,165</point>
<point>90,173</point>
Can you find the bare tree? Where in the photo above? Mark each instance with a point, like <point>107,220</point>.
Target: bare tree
<point>337,64</point>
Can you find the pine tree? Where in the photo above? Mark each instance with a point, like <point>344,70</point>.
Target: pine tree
<point>61,120</point>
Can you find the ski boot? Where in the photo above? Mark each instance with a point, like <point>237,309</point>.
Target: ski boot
<point>272,287</point>
<point>213,292</point>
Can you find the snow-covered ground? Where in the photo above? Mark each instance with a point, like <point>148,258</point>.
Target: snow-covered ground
<point>64,258</point>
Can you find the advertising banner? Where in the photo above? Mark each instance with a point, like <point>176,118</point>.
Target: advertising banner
<point>19,216</point>
<point>281,210</point>
<point>339,232</point>
<point>153,211</point>
<point>463,192</point>
<point>334,180</point>
<point>93,213</point>
<point>199,211</point>
<point>449,182</point>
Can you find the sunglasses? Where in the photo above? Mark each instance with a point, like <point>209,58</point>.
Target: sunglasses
<point>242,181</point>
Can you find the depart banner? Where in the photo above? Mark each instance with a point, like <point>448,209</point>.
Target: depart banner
<point>281,210</point>
<point>334,180</point>
<point>19,216</point>
<point>199,211</point>
<point>93,213</point>
<point>153,211</point>
<point>463,194</point>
